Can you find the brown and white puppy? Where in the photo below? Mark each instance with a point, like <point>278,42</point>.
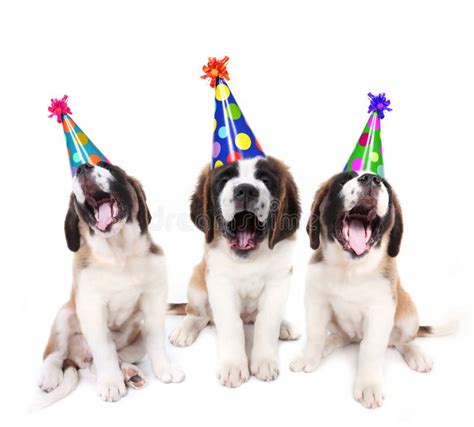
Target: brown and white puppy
<point>353,289</point>
<point>118,299</point>
<point>249,211</point>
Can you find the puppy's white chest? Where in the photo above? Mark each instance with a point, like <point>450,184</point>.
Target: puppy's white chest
<point>118,289</point>
<point>352,298</point>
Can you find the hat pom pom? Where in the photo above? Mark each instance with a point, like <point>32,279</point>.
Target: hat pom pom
<point>59,107</point>
<point>379,103</point>
<point>214,69</point>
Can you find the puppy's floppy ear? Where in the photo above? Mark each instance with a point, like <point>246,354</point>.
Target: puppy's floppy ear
<point>285,218</point>
<point>396,232</point>
<point>313,227</point>
<point>143,216</point>
<point>71,227</point>
<point>202,208</point>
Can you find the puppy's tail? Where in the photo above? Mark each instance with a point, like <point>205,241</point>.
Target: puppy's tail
<point>448,328</point>
<point>178,309</point>
<point>67,386</point>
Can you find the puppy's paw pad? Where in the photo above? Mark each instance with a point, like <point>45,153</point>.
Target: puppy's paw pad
<point>51,376</point>
<point>233,373</point>
<point>303,363</point>
<point>288,332</point>
<point>369,395</point>
<point>265,369</point>
<point>170,374</point>
<point>133,376</point>
<point>111,389</point>
<point>183,337</point>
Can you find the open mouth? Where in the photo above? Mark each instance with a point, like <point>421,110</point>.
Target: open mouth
<point>358,230</point>
<point>104,208</point>
<point>244,232</point>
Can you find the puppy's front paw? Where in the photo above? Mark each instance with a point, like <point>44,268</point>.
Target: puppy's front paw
<point>111,387</point>
<point>370,395</point>
<point>51,376</point>
<point>183,336</point>
<point>288,332</point>
<point>169,374</point>
<point>304,363</point>
<point>233,373</point>
<point>418,361</point>
<point>265,369</point>
<point>132,375</point>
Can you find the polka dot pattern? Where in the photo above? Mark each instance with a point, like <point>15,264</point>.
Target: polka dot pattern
<point>243,141</point>
<point>233,111</point>
<point>222,92</point>
<point>222,132</point>
<point>80,148</point>
<point>216,149</point>
<point>233,139</point>
<point>367,154</point>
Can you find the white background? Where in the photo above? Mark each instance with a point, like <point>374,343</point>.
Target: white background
<point>300,72</point>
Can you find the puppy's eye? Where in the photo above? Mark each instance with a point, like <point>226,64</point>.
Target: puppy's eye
<point>265,179</point>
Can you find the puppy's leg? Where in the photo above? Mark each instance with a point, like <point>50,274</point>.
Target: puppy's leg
<point>318,315</point>
<point>197,317</point>
<point>153,305</point>
<point>56,350</point>
<point>271,304</point>
<point>92,315</point>
<point>334,342</point>
<point>233,368</point>
<point>128,356</point>
<point>405,330</point>
<point>377,326</point>
<point>416,358</point>
<point>288,332</point>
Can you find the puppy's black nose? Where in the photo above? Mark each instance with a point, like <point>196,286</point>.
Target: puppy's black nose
<point>370,179</point>
<point>246,193</point>
<point>84,168</point>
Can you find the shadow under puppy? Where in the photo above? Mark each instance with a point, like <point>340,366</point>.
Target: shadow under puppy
<point>115,314</point>
<point>249,212</point>
<point>353,289</point>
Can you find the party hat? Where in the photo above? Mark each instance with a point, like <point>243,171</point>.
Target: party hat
<point>233,139</point>
<point>367,155</point>
<point>80,148</point>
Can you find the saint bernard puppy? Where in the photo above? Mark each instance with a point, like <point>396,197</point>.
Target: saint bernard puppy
<point>116,310</point>
<point>249,212</point>
<point>353,289</point>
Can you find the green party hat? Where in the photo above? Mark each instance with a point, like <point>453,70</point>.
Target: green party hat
<point>367,155</point>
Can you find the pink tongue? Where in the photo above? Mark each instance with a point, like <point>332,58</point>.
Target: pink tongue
<point>104,216</point>
<point>244,240</point>
<point>357,238</point>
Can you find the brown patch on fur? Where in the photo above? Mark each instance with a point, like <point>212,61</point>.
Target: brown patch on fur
<point>316,257</point>
<point>396,231</point>
<point>68,363</point>
<point>198,278</point>
<point>156,250</point>
<point>425,331</point>
<point>315,227</point>
<point>143,214</point>
<point>71,226</point>
<point>202,211</point>
<point>287,217</point>
<point>177,309</point>
<point>52,343</point>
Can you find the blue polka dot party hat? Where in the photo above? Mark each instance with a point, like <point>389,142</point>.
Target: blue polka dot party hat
<point>367,155</point>
<point>233,139</point>
<point>80,148</point>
